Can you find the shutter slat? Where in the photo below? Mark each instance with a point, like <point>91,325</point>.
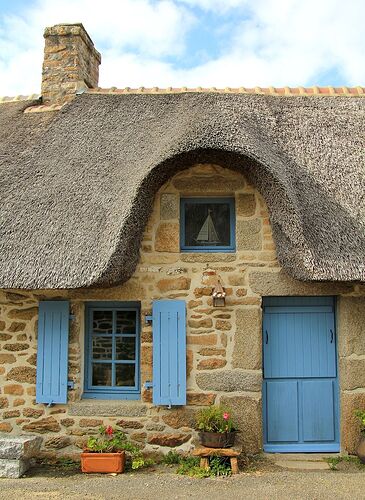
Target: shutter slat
<point>52,352</point>
<point>169,352</point>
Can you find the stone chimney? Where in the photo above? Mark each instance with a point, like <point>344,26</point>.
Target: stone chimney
<point>70,63</point>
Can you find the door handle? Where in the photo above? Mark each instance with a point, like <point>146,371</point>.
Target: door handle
<point>331,336</point>
<point>266,337</point>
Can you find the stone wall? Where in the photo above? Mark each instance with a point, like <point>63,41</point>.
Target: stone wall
<point>351,352</point>
<point>224,361</point>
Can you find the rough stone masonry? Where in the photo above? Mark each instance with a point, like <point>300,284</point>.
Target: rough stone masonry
<point>71,63</point>
<point>224,359</point>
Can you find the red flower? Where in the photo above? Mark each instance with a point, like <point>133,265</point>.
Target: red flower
<point>109,430</point>
<point>226,416</point>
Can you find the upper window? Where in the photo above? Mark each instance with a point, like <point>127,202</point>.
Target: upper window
<point>207,224</point>
<point>112,351</point>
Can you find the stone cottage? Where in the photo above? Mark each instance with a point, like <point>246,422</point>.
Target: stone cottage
<point>163,250</point>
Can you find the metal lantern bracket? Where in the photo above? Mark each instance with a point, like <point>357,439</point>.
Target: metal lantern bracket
<point>219,295</point>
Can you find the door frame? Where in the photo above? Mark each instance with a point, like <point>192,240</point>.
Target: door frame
<point>292,301</point>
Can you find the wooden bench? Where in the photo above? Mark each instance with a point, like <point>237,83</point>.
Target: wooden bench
<point>205,453</point>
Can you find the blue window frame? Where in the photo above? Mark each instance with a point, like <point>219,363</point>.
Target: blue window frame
<point>112,367</point>
<point>207,225</point>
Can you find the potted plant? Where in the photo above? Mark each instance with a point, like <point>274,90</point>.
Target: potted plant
<point>360,450</point>
<point>216,426</point>
<point>105,453</point>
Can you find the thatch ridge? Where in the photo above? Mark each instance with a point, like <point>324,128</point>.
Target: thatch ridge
<point>78,192</point>
<point>273,91</point>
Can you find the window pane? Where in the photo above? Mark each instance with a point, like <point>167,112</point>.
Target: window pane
<point>207,224</point>
<point>103,322</point>
<point>125,375</point>
<point>125,348</point>
<point>102,347</point>
<point>126,321</point>
<point>102,374</point>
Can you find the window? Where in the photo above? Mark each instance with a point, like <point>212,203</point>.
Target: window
<point>112,351</point>
<point>207,224</point>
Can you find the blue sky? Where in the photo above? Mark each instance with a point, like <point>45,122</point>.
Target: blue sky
<point>220,43</point>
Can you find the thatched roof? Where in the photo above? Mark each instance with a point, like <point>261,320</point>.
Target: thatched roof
<point>77,184</point>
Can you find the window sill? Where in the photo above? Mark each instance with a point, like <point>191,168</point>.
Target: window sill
<point>108,408</point>
<point>208,256</point>
<point>118,396</point>
<point>207,250</point>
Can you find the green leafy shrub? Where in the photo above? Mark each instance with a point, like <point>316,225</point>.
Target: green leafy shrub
<point>110,440</point>
<point>333,462</point>
<point>189,466</point>
<point>360,414</point>
<point>171,458</point>
<point>218,466</point>
<point>215,419</point>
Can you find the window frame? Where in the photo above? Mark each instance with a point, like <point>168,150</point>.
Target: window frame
<point>106,392</point>
<point>205,248</point>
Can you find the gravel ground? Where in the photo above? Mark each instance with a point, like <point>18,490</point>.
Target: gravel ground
<point>165,484</point>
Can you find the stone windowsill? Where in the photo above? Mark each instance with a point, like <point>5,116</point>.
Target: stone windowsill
<point>107,408</point>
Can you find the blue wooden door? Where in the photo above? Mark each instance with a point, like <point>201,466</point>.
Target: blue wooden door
<point>300,388</point>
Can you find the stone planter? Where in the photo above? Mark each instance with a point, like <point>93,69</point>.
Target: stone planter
<point>217,439</point>
<point>360,450</point>
<point>103,462</point>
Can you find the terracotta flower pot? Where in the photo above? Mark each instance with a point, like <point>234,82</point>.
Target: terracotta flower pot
<point>103,462</point>
<point>360,450</point>
<point>217,439</point>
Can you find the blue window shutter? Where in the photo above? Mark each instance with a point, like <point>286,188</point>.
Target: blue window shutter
<point>52,352</point>
<point>169,352</point>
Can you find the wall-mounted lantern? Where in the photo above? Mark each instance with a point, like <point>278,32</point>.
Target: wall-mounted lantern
<point>219,295</point>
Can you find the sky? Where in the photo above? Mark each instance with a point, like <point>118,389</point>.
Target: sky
<point>192,43</point>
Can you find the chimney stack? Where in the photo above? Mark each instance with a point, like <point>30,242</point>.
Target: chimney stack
<point>70,63</point>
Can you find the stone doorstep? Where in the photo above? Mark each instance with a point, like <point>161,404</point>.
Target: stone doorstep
<point>19,447</point>
<point>13,469</point>
<point>301,461</point>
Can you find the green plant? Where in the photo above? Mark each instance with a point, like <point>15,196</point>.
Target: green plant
<point>62,463</point>
<point>360,414</point>
<point>189,466</point>
<point>113,441</point>
<point>334,461</point>
<point>108,441</point>
<point>171,458</point>
<point>215,419</point>
<point>219,466</point>
<point>67,463</point>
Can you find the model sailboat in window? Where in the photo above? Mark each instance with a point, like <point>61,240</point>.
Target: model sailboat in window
<point>208,234</point>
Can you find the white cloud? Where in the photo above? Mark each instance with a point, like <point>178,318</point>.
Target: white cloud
<point>216,5</point>
<point>303,39</point>
<point>143,42</point>
<point>156,28</point>
<point>286,42</point>
<point>152,28</point>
